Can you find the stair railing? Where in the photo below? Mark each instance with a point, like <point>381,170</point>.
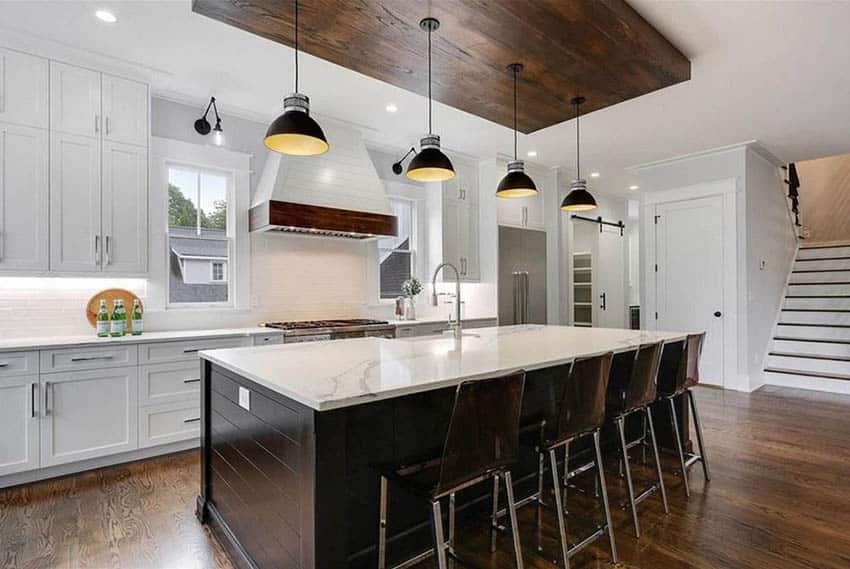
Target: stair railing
<point>792,180</point>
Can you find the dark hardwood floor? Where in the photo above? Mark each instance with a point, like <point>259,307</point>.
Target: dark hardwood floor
<point>779,499</point>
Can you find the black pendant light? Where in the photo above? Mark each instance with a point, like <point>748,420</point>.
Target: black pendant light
<point>579,199</point>
<point>295,132</point>
<point>430,164</point>
<point>516,183</point>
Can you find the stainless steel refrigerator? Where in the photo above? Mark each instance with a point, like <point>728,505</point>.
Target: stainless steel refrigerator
<point>522,276</point>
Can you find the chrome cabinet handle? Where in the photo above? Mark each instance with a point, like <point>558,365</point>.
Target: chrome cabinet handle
<point>46,398</point>
<point>96,249</point>
<point>195,380</point>
<point>4,364</point>
<point>1,244</point>
<point>33,397</point>
<point>91,358</point>
<point>191,350</point>
<point>192,420</point>
<point>108,253</point>
<point>97,123</point>
<point>107,125</point>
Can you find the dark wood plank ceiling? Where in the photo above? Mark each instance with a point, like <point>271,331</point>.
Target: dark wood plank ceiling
<point>601,49</point>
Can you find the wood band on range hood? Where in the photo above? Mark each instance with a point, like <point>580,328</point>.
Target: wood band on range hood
<point>319,220</point>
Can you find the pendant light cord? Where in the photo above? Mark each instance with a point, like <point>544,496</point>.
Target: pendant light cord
<point>515,153</point>
<point>430,128</point>
<point>296,46</point>
<point>578,162</point>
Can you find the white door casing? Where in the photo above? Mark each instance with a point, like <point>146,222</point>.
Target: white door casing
<point>689,279</point>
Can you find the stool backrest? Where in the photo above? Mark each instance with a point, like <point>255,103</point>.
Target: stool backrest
<point>686,368</point>
<point>582,406</point>
<point>642,387</point>
<point>483,433</point>
<point>693,352</point>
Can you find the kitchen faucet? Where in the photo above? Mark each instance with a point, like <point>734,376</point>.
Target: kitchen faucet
<point>456,327</point>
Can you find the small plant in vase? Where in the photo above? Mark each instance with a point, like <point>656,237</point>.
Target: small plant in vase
<point>410,289</point>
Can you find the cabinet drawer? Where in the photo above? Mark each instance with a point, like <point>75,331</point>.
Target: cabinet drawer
<point>164,383</point>
<point>18,363</point>
<point>88,358</point>
<point>264,339</point>
<point>405,331</point>
<point>186,350</point>
<point>168,423</point>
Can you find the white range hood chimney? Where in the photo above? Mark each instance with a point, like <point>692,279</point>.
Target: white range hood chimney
<point>336,194</point>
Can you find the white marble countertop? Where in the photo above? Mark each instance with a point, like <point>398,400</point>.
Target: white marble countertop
<point>342,373</point>
<point>437,320</point>
<point>35,343</point>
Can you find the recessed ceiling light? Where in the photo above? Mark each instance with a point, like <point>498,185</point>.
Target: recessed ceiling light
<point>391,108</point>
<point>531,153</point>
<point>106,16</point>
<point>594,174</point>
<point>633,188</point>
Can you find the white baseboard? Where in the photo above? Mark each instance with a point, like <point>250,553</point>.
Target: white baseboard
<point>813,383</point>
<point>83,465</point>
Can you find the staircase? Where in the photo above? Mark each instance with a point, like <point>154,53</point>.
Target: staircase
<point>811,343</point>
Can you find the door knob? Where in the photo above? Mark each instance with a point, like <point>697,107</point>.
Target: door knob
<point>718,314</point>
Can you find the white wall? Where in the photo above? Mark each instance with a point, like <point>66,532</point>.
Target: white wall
<point>771,249</point>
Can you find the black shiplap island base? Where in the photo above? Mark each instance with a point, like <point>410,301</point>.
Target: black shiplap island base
<point>290,434</point>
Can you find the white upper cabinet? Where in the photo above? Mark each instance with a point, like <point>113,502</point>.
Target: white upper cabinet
<point>459,242</point>
<point>75,100</point>
<point>125,111</point>
<point>124,207</point>
<point>23,89</point>
<point>23,198</point>
<point>75,204</point>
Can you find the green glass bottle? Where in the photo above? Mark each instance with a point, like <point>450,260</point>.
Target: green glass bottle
<point>136,318</point>
<point>118,325</point>
<point>102,320</point>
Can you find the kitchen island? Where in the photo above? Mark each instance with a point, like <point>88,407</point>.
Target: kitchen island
<point>290,433</point>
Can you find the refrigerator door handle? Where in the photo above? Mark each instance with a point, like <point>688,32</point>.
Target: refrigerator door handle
<point>516,297</point>
<point>604,305</point>
<point>525,297</point>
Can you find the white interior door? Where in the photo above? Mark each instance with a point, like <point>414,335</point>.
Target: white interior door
<point>689,275</point>
<point>610,267</point>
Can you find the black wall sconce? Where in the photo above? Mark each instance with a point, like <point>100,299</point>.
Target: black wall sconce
<point>397,167</point>
<point>202,125</point>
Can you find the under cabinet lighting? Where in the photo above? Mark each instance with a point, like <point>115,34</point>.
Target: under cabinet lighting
<point>391,108</point>
<point>106,16</point>
<point>531,153</point>
<point>594,174</point>
<point>633,188</point>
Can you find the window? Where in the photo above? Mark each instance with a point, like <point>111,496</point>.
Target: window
<point>396,254</point>
<point>199,239</point>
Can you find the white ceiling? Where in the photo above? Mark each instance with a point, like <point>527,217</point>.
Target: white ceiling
<point>776,72</point>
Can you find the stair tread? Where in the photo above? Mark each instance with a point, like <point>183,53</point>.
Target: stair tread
<point>820,283</point>
<point>813,325</point>
<point>808,373</point>
<point>808,259</point>
<point>806,356</point>
<point>818,310</point>
<point>847,270</point>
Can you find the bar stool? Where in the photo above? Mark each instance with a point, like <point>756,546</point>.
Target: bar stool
<point>635,395</point>
<point>685,378</point>
<point>481,442</point>
<point>580,413</point>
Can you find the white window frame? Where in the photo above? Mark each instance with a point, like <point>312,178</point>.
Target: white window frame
<point>223,271</point>
<point>414,240</point>
<point>166,153</point>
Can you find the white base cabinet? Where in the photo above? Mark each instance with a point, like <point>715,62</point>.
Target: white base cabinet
<point>18,424</point>
<point>87,414</point>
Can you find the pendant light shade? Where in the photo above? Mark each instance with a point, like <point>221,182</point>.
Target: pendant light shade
<point>579,199</point>
<point>516,183</point>
<point>295,132</point>
<point>430,164</point>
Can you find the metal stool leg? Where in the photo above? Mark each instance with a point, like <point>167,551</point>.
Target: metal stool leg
<point>657,458</point>
<point>439,539</point>
<point>600,478</point>
<point>566,475</point>
<point>559,509</point>
<point>698,426</point>
<point>625,452</point>
<point>679,449</point>
<point>540,463</point>
<point>451,528</point>
<point>509,490</point>
<point>382,527</point>
<point>494,516</point>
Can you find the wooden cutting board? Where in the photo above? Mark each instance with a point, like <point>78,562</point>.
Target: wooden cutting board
<point>110,295</point>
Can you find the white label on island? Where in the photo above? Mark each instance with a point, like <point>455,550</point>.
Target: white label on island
<point>244,398</point>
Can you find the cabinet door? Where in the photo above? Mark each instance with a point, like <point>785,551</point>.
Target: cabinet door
<point>125,208</point>
<point>18,424</point>
<point>451,236</point>
<point>23,198</point>
<point>468,242</point>
<point>125,111</point>
<point>87,414</point>
<point>74,100</point>
<point>23,89</point>
<point>75,243</point>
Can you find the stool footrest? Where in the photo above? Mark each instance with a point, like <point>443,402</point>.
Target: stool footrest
<point>692,459</point>
<point>576,547</point>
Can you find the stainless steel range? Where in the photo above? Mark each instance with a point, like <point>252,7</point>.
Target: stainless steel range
<point>320,330</point>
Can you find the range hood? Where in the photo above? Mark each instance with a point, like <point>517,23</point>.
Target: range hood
<point>335,194</point>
